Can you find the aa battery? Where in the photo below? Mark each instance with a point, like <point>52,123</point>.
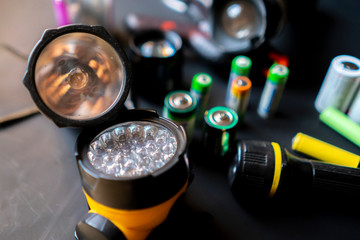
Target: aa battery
<point>240,66</point>
<point>200,90</point>
<point>239,96</point>
<point>180,107</point>
<point>354,110</point>
<point>273,90</point>
<point>340,84</point>
<point>219,132</point>
<point>341,123</point>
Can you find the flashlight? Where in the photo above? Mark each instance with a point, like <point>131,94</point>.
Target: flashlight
<point>221,29</point>
<point>132,173</point>
<point>78,76</point>
<point>263,170</point>
<point>157,58</point>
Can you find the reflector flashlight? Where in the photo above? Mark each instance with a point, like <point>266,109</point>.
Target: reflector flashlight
<point>78,76</point>
<point>263,170</point>
<point>132,163</point>
<point>132,173</point>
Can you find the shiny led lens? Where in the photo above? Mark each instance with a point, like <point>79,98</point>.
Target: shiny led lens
<point>132,149</point>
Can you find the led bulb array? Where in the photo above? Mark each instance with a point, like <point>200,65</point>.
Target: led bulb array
<point>132,149</point>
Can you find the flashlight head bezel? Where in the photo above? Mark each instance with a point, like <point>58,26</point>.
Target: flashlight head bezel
<point>29,78</point>
<point>137,191</point>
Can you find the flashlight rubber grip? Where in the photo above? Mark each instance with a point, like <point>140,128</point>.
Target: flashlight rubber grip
<point>334,178</point>
<point>97,227</point>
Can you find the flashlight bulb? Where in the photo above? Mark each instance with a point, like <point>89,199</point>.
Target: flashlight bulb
<point>132,149</point>
<point>241,20</point>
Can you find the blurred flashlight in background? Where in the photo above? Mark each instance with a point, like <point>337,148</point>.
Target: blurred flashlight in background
<point>215,29</point>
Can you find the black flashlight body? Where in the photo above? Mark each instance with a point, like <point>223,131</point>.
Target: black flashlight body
<point>156,75</point>
<point>263,170</point>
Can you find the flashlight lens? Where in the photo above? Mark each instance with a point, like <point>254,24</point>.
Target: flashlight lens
<point>79,76</point>
<point>160,49</point>
<point>132,149</point>
<point>241,20</point>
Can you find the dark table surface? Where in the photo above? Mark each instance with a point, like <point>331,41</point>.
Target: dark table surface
<point>40,189</point>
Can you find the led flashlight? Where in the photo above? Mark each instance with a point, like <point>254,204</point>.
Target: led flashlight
<point>78,76</point>
<point>132,173</point>
<point>263,170</point>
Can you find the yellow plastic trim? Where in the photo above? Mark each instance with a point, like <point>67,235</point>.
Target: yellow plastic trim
<point>135,224</point>
<point>277,169</point>
<point>324,151</point>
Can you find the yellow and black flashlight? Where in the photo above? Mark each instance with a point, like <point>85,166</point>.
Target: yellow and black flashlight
<point>132,173</point>
<point>263,170</point>
<point>132,163</point>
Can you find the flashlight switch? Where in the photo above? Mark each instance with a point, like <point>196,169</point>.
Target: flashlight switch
<point>97,227</point>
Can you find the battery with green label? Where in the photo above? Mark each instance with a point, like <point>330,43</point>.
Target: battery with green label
<point>220,130</point>
<point>273,90</point>
<point>240,66</point>
<point>180,107</point>
<point>239,96</point>
<point>200,90</point>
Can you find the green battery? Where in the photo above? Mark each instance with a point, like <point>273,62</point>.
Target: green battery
<point>273,90</point>
<point>200,90</point>
<point>180,107</point>
<point>220,130</point>
<point>240,66</point>
<point>341,123</point>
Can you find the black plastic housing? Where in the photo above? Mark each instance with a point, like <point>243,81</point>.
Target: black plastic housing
<point>134,192</point>
<point>97,227</point>
<point>29,77</point>
<point>252,172</point>
<point>154,77</point>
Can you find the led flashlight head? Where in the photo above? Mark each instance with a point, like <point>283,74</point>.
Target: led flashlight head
<point>133,172</point>
<point>78,75</point>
